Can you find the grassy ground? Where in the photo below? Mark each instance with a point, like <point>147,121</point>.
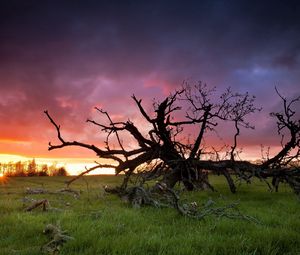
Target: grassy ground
<point>103,224</point>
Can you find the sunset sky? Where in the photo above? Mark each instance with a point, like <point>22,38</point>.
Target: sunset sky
<point>69,56</point>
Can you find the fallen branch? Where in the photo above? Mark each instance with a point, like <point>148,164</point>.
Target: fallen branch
<point>75,193</point>
<point>31,191</point>
<point>40,203</point>
<point>57,238</point>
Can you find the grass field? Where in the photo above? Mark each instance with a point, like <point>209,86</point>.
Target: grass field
<point>103,224</point>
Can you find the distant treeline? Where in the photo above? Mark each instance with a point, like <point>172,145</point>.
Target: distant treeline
<point>31,168</point>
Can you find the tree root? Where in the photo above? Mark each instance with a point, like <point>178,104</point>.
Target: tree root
<point>162,196</point>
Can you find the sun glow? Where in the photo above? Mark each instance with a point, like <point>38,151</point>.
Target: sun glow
<point>5,158</point>
<point>74,166</point>
<point>77,168</point>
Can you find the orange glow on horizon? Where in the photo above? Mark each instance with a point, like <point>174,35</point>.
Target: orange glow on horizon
<point>14,141</point>
<point>74,166</point>
<point>5,158</point>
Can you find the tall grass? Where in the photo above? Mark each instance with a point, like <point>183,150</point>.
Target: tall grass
<point>103,224</point>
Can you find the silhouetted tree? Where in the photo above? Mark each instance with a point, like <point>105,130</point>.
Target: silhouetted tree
<point>43,171</point>
<point>166,153</point>
<point>8,169</point>
<point>32,168</point>
<point>60,172</point>
<point>19,169</point>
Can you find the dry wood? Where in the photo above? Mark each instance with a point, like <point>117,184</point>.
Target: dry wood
<point>57,238</point>
<point>184,160</point>
<point>44,204</point>
<point>35,191</point>
<point>162,196</point>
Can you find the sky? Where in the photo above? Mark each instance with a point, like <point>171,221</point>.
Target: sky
<point>69,56</point>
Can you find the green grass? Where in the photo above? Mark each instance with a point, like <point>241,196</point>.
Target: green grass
<point>103,224</point>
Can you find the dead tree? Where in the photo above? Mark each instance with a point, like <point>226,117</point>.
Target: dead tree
<point>165,153</point>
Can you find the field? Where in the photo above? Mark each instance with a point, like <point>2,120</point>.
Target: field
<point>101,223</point>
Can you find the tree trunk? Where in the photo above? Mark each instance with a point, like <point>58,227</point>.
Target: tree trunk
<point>191,178</point>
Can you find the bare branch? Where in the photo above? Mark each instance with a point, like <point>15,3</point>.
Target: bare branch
<point>88,170</point>
<point>143,112</point>
<point>285,121</point>
<point>186,160</point>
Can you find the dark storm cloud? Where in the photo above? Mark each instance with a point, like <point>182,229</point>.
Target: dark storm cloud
<point>136,38</point>
<point>70,55</point>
